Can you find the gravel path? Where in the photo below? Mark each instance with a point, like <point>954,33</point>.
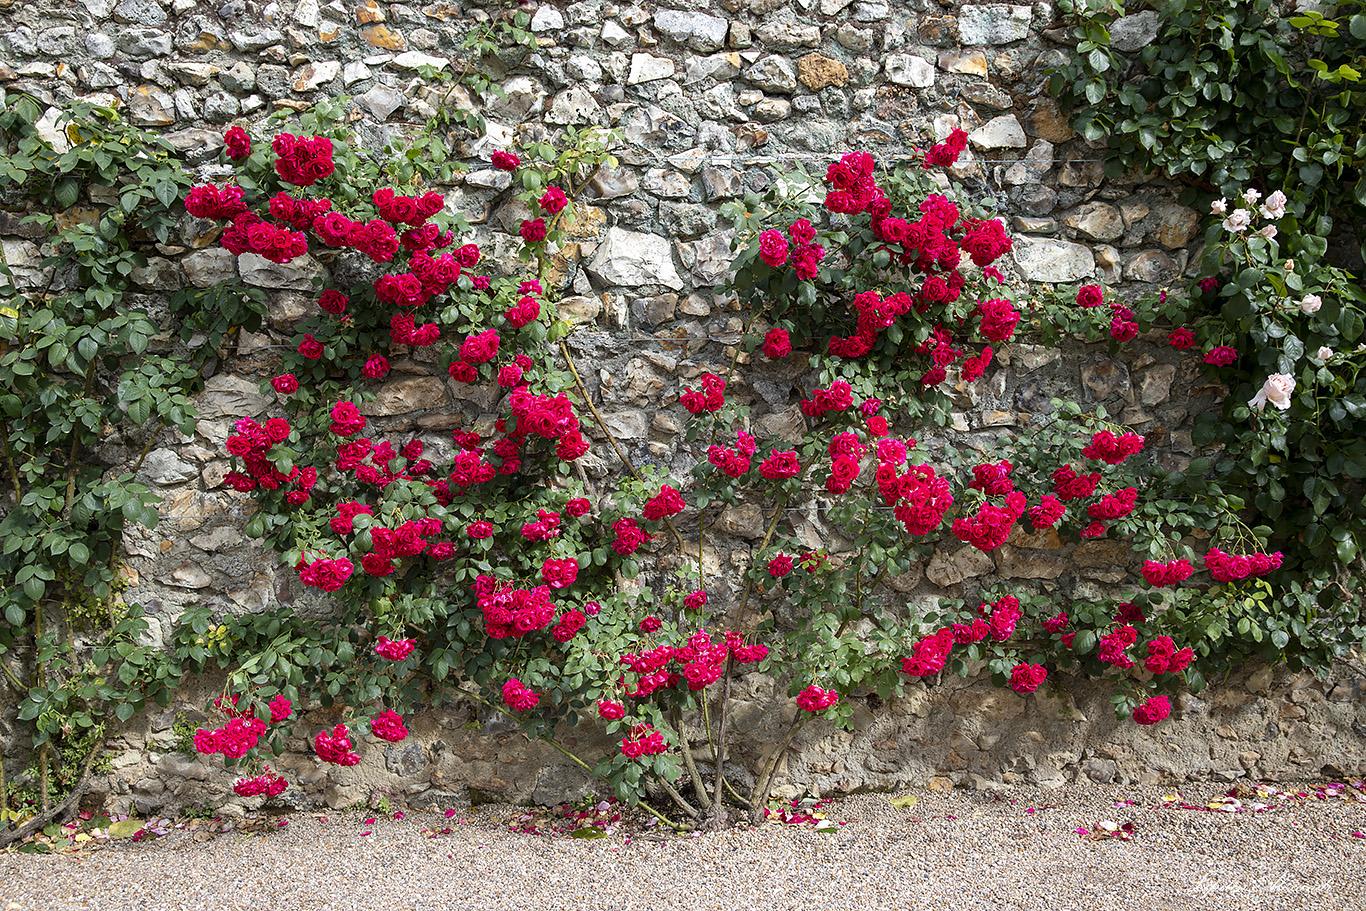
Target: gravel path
<point>959,850</point>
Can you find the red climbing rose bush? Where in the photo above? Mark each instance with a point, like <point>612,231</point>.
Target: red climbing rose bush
<point>466,557</point>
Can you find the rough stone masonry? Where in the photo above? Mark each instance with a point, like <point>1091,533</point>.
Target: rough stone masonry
<point>705,95</point>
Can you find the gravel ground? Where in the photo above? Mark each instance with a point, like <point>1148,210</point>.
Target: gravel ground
<point>960,850</point>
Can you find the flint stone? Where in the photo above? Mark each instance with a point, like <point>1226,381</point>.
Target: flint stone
<point>140,12</point>
<point>632,259</point>
<point>316,75</point>
<point>257,42</point>
<point>1002,132</point>
<point>773,74</point>
<point>969,63</point>
<point>573,106</point>
<point>697,30</point>
<point>547,19</point>
<point>414,59</point>
<point>993,23</point>
<point>160,274</point>
<point>950,569</point>
<point>1177,227</point>
<point>1096,220</point>
<point>1152,266</point>
<point>151,107</point>
<point>1132,33</point>
<point>614,35</point>
<point>417,393</point>
<point>164,466</point>
<point>191,575</point>
<point>908,69</point>
<point>578,309</point>
<point>744,521</point>
<point>627,425</point>
<point>785,33</point>
<point>1044,260</point>
<point>648,67</point>
<point>381,101</point>
<point>715,66</point>
<point>583,68</point>
<point>613,182</point>
<point>709,259</point>
<point>297,275</point>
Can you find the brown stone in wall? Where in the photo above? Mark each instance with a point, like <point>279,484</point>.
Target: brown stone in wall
<point>817,72</point>
<point>382,36</point>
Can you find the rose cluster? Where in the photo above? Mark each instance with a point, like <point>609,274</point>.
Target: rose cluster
<point>806,254</point>
<point>1232,567</point>
<point>267,783</point>
<point>1161,575</point>
<point>711,397</point>
<point>520,697</point>
<point>815,699</point>
<point>643,740</point>
<point>511,612</point>
<point>699,663</point>
<point>336,747</point>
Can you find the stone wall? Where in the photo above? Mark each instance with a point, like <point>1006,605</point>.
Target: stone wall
<point>707,101</point>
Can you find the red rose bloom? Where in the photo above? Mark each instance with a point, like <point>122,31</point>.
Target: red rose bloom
<point>1090,296</point>
<point>237,143</point>
<point>311,348</point>
<point>285,384</point>
<point>777,343</point>
<point>533,230</point>
<point>1026,678</point>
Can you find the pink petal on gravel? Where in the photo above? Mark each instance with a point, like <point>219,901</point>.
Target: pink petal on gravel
<point>450,813</point>
<point>1359,834</point>
<point>363,834</point>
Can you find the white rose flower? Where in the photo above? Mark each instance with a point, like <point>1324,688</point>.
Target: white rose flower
<point>1324,353</point>
<point>1269,232</point>
<point>1276,390</point>
<point>1274,207</point>
<point>1311,303</point>
<point>1251,196</point>
<point>1238,221</point>
<point>1218,207</point>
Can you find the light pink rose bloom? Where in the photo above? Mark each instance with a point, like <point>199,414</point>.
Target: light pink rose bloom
<point>1274,207</point>
<point>1311,303</point>
<point>1238,221</point>
<point>1324,353</point>
<point>1276,390</point>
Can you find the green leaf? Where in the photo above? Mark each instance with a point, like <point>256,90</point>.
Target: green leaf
<point>79,553</point>
<point>34,588</point>
<point>67,191</point>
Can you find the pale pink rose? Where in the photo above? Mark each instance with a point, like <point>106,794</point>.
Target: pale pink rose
<point>1238,221</point>
<point>1324,353</point>
<point>1251,196</point>
<point>1274,207</point>
<point>1276,390</point>
<point>1269,232</point>
<point>1218,207</point>
<point>1311,303</point>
